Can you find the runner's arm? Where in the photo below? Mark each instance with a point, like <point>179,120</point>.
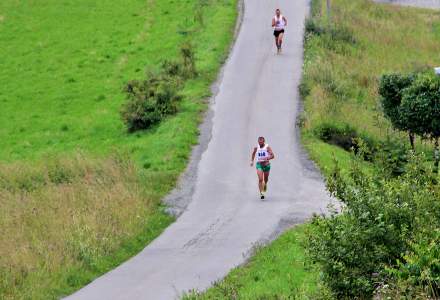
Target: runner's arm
<point>253,156</point>
<point>273,22</point>
<point>271,155</point>
<point>285,21</point>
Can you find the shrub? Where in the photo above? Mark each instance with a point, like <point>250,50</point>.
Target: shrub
<point>341,135</point>
<point>183,69</point>
<point>379,222</point>
<point>172,68</point>
<point>312,27</point>
<point>391,156</point>
<point>419,271</point>
<point>304,89</point>
<point>149,101</point>
<point>152,99</point>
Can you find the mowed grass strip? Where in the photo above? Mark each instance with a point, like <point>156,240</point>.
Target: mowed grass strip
<point>276,271</point>
<point>79,195</point>
<point>342,68</point>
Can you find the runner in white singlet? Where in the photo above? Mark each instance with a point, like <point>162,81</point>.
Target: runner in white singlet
<point>279,23</point>
<point>263,154</point>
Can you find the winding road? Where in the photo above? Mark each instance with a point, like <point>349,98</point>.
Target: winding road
<point>257,95</point>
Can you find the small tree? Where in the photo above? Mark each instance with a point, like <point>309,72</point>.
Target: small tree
<point>391,88</point>
<point>420,109</point>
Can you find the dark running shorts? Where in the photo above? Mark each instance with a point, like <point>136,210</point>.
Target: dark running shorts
<point>276,33</point>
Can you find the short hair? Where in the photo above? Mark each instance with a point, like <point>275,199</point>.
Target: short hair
<point>277,9</point>
<point>261,138</point>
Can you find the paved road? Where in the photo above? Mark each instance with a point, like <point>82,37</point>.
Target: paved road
<point>257,96</point>
<point>418,3</point>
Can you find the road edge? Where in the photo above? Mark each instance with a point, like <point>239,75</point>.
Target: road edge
<point>179,198</point>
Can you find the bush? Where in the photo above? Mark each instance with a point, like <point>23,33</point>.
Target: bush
<point>391,156</point>
<point>343,135</point>
<point>149,101</point>
<point>182,69</point>
<point>152,99</point>
<point>419,272</point>
<point>312,27</point>
<point>380,220</point>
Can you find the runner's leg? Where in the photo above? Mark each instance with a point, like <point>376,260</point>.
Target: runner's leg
<point>280,39</point>
<point>266,179</point>
<point>260,174</point>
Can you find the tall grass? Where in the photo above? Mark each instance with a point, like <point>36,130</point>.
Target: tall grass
<point>344,60</point>
<point>67,214</point>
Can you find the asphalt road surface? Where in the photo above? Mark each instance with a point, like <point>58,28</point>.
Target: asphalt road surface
<point>217,231</point>
<point>418,3</point>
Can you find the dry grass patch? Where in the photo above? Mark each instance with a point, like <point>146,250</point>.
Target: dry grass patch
<point>68,212</point>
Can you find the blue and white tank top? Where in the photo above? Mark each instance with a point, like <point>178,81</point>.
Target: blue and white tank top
<point>262,153</point>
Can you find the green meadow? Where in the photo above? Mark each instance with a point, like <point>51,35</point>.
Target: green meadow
<point>79,194</point>
<point>64,64</point>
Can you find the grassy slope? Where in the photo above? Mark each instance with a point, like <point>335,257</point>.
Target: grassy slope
<point>402,39</point>
<point>343,77</point>
<point>67,62</point>
<point>277,271</point>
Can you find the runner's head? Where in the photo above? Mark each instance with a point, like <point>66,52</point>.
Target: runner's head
<point>278,12</point>
<point>261,141</point>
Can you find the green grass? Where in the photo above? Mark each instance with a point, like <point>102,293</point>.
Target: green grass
<point>342,70</point>
<point>68,61</point>
<point>71,210</point>
<point>276,271</point>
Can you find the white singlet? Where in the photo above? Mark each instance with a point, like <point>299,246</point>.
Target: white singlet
<point>262,153</point>
<point>279,23</point>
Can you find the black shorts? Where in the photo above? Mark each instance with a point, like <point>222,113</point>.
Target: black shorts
<point>276,33</point>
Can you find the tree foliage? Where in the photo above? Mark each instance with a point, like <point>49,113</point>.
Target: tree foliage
<point>387,232</point>
<point>420,107</point>
<point>391,90</point>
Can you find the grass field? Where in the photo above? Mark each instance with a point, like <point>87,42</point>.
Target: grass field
<point>341,69</point>
<point>79,195</point>
<point>67,62</point>
<point>276,271</point>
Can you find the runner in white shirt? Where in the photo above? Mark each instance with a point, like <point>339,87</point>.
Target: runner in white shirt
<point>279,23</point>
<point>264,154</point>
